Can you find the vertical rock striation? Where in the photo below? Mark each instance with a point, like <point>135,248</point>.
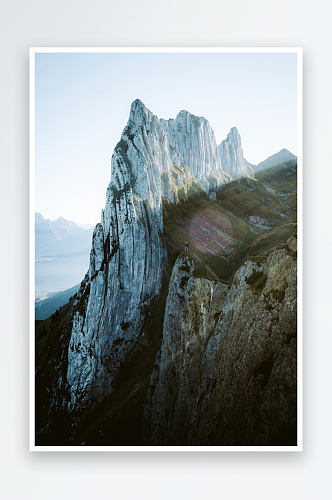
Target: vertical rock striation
<point>192,142</point>
<point>226,371</point>
<point>231,155</point>
<point>126,263</point>
<point>154,159</point>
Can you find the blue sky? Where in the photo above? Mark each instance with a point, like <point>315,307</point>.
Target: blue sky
<point>82,104</point>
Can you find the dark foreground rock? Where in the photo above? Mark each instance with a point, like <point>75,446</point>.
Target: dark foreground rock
<point>226,371</point>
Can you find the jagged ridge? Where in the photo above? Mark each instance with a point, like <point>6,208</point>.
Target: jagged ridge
<point>153,159</point>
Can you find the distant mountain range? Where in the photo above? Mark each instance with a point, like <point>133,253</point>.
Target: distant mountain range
<point>45,308</point>
<point>59,236</point>
<point>62,271</point>
<point>62,253</point>
<point>283,157</point>
<point>86,226</point>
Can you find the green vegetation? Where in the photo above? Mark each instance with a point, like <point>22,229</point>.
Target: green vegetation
<point>201,270</point>
<point>236,201</point>
<point>118,419</point>
<point>257,281</point>
<point>52,342</point>
<point>279,295</point>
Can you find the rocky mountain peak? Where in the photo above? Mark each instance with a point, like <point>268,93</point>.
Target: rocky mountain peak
<point>139,113</point>
<point>231,154</point>
<point>226,365</point>
<point>154,159</point>
<point>62,220</point>
<point>38,217</point>
<point>234,137</point>
<point>282,157</point>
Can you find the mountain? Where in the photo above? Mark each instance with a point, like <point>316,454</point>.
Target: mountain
<point>45,308</point>
<point>59,236</point>
<point>62,271</point>
<point>226,371</point>
<point>231,155</point>
<point>284,157</point>
<point>62,251</point>
<point>154,159</point>
<point>149,318</point>
<point>86,226</point>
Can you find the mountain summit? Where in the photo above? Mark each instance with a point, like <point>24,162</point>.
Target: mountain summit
<point>159,340</point>
<point>153,160</point>
<point>231,155</point>
<point>283,157</point>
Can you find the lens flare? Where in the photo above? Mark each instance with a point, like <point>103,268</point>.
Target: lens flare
<point>211,231</point>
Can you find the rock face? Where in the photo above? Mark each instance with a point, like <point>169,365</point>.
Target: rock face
<point>154,159</point>
<point>127,261</point>
<point>226,371</point>
<point>191,141</point>
<point>231,155</point>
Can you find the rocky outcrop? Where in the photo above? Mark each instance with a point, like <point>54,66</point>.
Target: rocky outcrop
<point>226,371</point>
<point>231,155</point>
<point>191,142</point>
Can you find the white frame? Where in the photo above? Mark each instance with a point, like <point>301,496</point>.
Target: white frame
<point>294,50</point>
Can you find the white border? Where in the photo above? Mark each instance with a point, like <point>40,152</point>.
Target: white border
<point>295,50</point>
<point>32,251</point>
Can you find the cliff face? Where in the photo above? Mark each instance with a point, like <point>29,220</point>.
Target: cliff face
<point>192,142</point>
<point>231,155</point>
<point>126,263</point>
<point>154,159</point>
<point>226,371</point>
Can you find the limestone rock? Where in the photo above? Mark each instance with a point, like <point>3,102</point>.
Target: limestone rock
<point>154,159</point>
<point>226,371</point>
<point>126,264</point>
<point>231,155</point>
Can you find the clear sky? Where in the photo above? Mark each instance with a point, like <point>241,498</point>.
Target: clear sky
<point>83,101</point>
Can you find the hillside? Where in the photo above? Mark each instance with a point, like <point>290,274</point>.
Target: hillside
<point>45,308</point>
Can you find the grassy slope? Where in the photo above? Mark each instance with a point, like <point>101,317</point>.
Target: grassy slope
<point>272,196</point>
